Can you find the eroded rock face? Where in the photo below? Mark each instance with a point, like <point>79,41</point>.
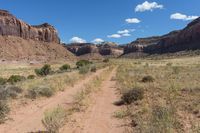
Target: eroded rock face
<point>10,25</point>
<point>181,40</point>
<point>82,48</point>
<point>104,49</point>
<point>110,49</point>
<point>140,44</point>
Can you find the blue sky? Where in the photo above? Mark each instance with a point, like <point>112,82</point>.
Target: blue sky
<point>106,19</point>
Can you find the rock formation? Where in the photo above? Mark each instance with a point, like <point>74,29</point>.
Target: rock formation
<point>10,25</point>
<point>104,49</point>
<point>22,42</point>
<point>181,40</point>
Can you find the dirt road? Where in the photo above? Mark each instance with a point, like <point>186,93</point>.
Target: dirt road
<point>99,117</point>
<point>28,118</point>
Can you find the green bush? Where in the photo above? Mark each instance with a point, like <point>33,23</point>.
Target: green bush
<point>4,110</point>
<point>65,67</point>
<point>132,95</point>
<point>54,119</point>
<point>2,81</point>
<point>106,60</point>
<point>44,71</point>
<point>93,69</point>
<point>31,77</point>
<point>42,91</point>
<point>148,79</point>
<point>15,78</point>
<point>82,63</point>
<point>84,69</point>
<point>9,91</point>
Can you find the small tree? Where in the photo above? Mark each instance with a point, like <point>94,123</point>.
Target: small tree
<point>15,78</point>
<point>44,71</point>
<point>65,67</point>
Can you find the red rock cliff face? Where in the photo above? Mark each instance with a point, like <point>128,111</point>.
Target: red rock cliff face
<point>181,40</point>
<point>10,25</point>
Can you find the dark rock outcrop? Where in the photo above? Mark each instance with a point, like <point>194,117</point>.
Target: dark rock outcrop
<point>181,40</point>
<point>10,25</point>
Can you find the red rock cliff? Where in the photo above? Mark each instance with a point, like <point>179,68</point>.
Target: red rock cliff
<point>10,25</point>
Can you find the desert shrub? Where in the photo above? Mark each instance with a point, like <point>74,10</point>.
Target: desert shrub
<point>44,71</point>
<point>93,69</point>
<point>82,63</point>
<point>106,60</point>
<point>132,95</point>
<point>16,78</point>
<point>2,81</point>
<point>176,70</point>
<point>9,91</point>
<point>4,110</point>
<point>42,91</point>
<point>148,79</point>
<point>169,64</point>
<point>84,69</point>
<point>31,77</point>
<point>162,120</point>
<point>54,119</point>
<point>65,67</point>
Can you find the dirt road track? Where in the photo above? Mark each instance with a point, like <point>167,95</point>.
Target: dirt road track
<point>98,118</point>
<point>28,118</point>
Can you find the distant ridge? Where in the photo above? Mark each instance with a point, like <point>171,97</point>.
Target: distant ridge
<point>175,41</point>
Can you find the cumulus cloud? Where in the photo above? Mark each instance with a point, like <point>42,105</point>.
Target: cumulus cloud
<point>184,17</point>
<point>114,36</point>
<point>132,20</point>
<point>77,40</point>
<point>98,41</point>
<point>148,6</point>
<point>123,31</point>
<point>126,34</point>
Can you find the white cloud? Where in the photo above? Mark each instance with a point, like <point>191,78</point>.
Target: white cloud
<point>126,34</point>
<point>132,20</point>
<point>184,17</point>
<point>114,36</point>
<point>77,40</point>
<point>123,31</point>
<point>98,40</point>
<point>148,6</point>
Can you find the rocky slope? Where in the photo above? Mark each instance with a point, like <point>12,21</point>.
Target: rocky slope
<point>181,40</point>
<point>21,41</point>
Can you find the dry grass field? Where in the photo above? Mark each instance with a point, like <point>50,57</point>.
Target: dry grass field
<point>143,95</point>
<point>169,98</point>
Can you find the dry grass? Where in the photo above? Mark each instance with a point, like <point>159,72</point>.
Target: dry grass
<point>171,102</point>
<point>82,98</point>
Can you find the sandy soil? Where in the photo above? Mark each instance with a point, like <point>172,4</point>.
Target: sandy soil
<point>99,117</point>
<point>28,118</point>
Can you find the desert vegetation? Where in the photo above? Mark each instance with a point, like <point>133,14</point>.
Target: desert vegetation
<point>160,97</point>
<point>54,119</point>
<point>45,82</point>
